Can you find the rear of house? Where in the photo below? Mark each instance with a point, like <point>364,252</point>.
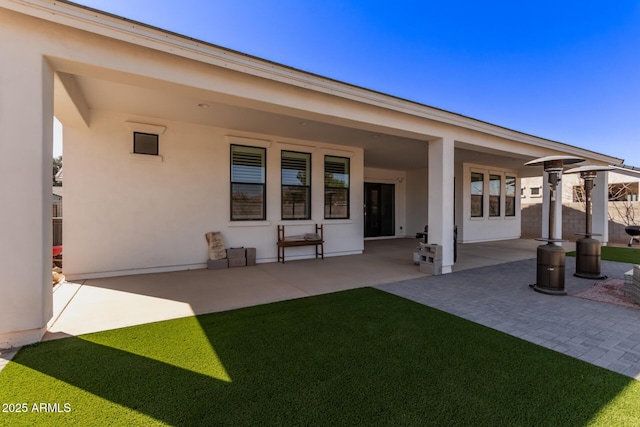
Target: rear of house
<point>167,138</point>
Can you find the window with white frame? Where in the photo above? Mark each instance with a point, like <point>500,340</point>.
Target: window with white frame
<point>296,185</point>
<point>618,192</point>
<point>495,194</point>
<point>336,187</point>
<point>623,192</point>
<point>248,179</point>
<point>510,196</point>
<point>477,195</point>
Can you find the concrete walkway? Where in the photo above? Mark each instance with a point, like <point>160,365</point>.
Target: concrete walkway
<point>499,297</point>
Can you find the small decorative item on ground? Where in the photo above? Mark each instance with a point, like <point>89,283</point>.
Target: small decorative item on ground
<point>216,245</point>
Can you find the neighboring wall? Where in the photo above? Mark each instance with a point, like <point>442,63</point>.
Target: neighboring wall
<point>573,213</point>
<point>127,214</point>
<point>573,221</point>
<point>531,188</point>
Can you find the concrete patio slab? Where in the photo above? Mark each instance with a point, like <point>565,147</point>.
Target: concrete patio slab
<point>100,304</point>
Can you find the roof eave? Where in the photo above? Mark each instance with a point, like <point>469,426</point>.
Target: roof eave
<point>116,27</point>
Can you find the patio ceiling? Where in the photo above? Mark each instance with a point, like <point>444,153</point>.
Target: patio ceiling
<point>384,148</point>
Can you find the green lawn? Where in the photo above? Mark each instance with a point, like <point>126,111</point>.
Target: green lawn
<point>360,357</point>
<point>612,253</point>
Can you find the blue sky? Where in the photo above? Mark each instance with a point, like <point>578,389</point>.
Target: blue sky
<point>568,71</point>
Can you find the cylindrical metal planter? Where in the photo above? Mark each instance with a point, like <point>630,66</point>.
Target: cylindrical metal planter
<point>550,271</point>
<point>588,257</point>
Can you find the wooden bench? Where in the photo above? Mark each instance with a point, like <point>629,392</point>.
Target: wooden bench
<point>302,240</point>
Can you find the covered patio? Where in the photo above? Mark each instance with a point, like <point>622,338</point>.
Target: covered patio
<point>108,303</point>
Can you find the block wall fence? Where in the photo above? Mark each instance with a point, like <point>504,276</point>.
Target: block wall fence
<point>573,221</point>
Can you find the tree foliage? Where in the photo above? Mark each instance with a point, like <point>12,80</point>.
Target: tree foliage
<point>57,165</point>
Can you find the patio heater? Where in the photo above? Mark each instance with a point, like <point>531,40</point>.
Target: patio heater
<point>588,250</point>
<point>550,257</point>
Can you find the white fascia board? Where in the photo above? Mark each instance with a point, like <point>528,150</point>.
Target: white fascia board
<point>625,171</point>
<point>119,28</point>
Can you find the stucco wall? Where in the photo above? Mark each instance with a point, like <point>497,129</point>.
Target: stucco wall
<point>487,228</point>
<point>417,200</point>
<point>129,213</point>
<point>26,134</point>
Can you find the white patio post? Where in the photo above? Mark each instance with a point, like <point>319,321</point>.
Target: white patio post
<point>600,207</point>
<point>546,200</point>
<point>26,133</point>
<point>441,186</point>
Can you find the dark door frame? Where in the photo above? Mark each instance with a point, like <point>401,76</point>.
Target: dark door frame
<point>379,209</point>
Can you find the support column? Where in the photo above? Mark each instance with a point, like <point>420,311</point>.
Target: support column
<point>546,202</point>
<point>600,207</point>
<point>441,198</point>
<point>26,139</point>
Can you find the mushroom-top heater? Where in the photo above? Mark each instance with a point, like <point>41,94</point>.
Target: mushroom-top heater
<point>588,249</point>
<point>551,258</point>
